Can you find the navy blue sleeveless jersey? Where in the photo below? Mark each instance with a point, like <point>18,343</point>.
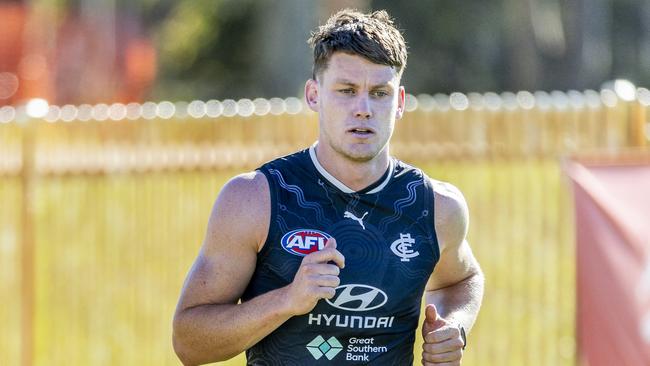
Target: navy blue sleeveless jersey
<point>387,236</point>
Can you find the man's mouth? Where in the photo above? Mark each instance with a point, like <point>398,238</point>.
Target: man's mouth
<point>361,131</point>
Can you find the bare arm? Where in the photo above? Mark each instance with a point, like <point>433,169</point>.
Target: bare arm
<point>209,325</point>
<point>455,287</point>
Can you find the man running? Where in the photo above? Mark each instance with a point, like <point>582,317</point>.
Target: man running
<point>323,256</point>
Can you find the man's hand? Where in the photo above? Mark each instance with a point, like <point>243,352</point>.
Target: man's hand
<point>315,279</point>
<point>443,344</point>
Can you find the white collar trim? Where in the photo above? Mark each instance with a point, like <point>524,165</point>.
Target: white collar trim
<point>337,183</point>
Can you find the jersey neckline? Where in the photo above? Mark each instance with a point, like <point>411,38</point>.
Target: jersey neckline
<point>372,188</point>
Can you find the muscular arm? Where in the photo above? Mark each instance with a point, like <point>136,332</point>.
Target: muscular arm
<point>455,289</point>
<point>456,285</point>
<point>209,324</point>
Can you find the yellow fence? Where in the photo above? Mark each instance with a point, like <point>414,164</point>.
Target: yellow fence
<point>103,209</point>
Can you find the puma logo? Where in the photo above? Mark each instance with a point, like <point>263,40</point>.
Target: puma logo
<point>350,215</point>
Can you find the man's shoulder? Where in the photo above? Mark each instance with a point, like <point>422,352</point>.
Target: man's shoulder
<point>242,210</point>
<point>451,212</point>
<point>245,183</point>
<point>447,192</point>
<point>245,194</point>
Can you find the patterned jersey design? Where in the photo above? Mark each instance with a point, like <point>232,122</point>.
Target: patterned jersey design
<point>387,236</point>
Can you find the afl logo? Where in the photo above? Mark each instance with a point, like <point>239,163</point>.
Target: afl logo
<point>356,297</point>
<point>304,241</point>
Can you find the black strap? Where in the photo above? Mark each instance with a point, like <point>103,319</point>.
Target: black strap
<point>463,336</point>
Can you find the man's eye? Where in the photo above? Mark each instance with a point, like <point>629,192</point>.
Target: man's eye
<point>347,91</point>
<point>380,93</point>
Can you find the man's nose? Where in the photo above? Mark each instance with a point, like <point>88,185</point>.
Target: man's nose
<point>363,108</point>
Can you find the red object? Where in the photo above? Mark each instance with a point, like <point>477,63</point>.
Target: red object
<point>67,58</point>
<point>612,204</point>
<point>12,24</point>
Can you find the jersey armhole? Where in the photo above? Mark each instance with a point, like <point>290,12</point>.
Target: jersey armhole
<point>430,198</point>
<point>272,216</point>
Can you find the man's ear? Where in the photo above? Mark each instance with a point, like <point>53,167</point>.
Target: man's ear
<point>401,103</point>
<point>311,94</point>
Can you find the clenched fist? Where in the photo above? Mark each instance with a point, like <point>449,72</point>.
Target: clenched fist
<point>316,278</point>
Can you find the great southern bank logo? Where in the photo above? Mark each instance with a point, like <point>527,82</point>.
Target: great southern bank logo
<point>304,241</point>
<point>320,347</point>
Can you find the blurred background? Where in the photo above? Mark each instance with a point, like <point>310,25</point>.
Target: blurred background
<point>121,120</point>
<point>92,51</point>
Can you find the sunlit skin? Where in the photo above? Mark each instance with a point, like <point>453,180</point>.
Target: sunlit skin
<point>357,102</point>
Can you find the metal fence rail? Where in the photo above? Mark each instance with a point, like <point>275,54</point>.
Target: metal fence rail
<point>103,209</point>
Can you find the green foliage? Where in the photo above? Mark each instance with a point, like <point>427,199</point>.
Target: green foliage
<point>191,25</point>
<point>205,49</point>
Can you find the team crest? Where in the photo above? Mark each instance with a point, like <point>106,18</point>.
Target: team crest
<point>402,247</point>
<point>304,241</point>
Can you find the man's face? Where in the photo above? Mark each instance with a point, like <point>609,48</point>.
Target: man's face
<point>357,103</point>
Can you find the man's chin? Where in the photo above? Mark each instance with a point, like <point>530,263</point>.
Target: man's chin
<point>360,156</point>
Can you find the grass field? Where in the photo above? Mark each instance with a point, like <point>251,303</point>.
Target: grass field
<point>112,252</point>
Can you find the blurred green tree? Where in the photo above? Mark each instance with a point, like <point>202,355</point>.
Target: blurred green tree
<point>246,48</point>
<point>205,48</point>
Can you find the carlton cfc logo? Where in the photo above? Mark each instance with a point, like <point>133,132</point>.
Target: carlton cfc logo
<point>304,241</point>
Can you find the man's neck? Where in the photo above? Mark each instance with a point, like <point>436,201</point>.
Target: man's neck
<point>356,175</point>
